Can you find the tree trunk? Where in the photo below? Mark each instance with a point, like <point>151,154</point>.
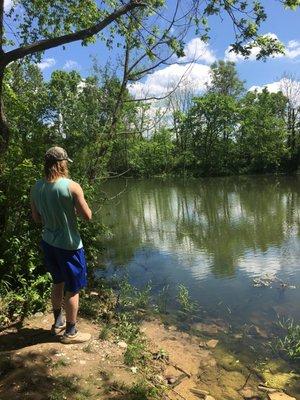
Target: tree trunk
<point>4,130</point>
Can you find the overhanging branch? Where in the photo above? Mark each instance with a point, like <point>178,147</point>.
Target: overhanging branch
<point>47,44</point>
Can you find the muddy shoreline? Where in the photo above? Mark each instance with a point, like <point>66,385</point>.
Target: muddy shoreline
<point>180,365</point>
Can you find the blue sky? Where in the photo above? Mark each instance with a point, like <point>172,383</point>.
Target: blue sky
<point>282,23</point>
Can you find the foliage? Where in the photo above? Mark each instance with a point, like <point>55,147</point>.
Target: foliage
<point>209,129</point>
<point>261,137</point>
<point>128,330</point>
<point>140,390</point>
<point>225,80</point>
<point>290,343</point>
<point>99,304</point>
<point>223,131</point>
<point>184,300</point>
<point>154,156</point>
<point>24,284</point>
<point>143,391</point>
<point>162,300</point>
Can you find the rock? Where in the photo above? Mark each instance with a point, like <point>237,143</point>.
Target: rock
<point>248,393</point>
<point>207,362</point>
<point>208,328</point>
<point>122,345</point>
<point>58,354</point>
<point>38,314</point>
<point>238,336</point>
<point>170,379</point>
<point>267,389</point>
<point>82,362</point>
<point>209,344</point>
<point>199,392</point>
<point>256,331</point>
<point>280,396</point>
<point>278,380</point>
<point>212,343</point>
<point>172,328</point>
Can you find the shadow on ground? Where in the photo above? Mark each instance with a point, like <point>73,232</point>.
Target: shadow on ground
<point>20,338</point>
<point>28,376</point>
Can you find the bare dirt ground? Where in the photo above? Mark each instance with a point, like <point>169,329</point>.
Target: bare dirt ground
<point>35,365</point>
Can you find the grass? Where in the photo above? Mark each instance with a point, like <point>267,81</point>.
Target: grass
<point>67,387</point>
<point>64,388</point>
<point>162,300</point>
<point>62,362</point>
<point>128,330</point>
<point>289,344</point>
<point>132,298</point>
<point>88,348</point>
<point>105,332</point>
<point>141,390</point>
<point>184,299</point>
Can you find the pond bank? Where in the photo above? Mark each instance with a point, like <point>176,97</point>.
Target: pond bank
<point>177,366</point>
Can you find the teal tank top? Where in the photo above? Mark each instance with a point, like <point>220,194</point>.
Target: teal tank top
<point>55,204</point>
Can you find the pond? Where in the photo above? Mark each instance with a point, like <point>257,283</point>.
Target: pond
<point>217,236</point>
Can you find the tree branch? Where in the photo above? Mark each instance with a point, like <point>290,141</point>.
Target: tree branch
<point>46,44</point>
<point>1,25</point>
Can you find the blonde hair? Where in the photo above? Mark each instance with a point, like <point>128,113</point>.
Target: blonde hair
<point>56,169</point>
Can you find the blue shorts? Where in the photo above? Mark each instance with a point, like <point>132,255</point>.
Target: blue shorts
<point>68,266</point>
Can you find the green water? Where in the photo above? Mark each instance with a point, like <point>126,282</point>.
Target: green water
<point>213,235</point>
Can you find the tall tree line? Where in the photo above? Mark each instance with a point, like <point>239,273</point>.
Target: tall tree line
<point>96,119</point>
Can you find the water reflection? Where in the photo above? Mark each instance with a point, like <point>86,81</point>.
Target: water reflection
<point>212,235</point>
<point>216,226</point>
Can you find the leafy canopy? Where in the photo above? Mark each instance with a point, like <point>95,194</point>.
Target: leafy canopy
<point>30,21</point>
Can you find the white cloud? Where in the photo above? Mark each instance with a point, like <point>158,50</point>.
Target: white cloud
<point>197,50</point>
<point>71,65</point>
<point>7,5</point>
<point>164,80</point>
<point>273,87</point>
<point>46,63</point>
<point>292,50</point>
<point>289,87</point>
<point>261,264</point>
<point>293,43</point>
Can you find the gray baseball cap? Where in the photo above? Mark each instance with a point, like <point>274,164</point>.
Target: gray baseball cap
<point>57,154</point>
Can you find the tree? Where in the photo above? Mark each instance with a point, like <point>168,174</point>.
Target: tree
<point>261,137</point>
<point>47,25</point>
<point>210,126</point>
<point>44,25</point>
<point>225,79</point>
<point>290,87</point>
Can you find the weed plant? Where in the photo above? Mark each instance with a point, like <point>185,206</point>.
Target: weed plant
<point>131,298</point>
<point>162,299</point>
<point>289,344</point>
<point>186,304</point>
<point>127,329</point>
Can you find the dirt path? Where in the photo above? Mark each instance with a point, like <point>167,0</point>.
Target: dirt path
<point>36,366</point>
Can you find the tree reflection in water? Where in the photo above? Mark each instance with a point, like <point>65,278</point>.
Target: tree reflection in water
<point>212,228</point>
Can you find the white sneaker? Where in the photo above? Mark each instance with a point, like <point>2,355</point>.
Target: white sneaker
<point>78,337</point>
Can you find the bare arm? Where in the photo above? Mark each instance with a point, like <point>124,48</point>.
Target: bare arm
<point>34,212</point>
<point>81,206</point>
